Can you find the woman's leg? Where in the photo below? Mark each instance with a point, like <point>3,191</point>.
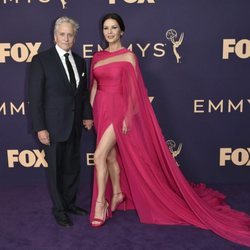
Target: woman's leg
<point>106,143</point>
<point>114,173</point>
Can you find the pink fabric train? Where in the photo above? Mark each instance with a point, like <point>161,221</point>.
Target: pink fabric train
<point>150,177</point>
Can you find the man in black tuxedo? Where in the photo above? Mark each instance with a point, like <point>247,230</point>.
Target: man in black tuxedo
<point>60,107</point>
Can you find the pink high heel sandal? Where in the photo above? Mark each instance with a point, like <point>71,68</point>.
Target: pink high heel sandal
<point>119,201</point>
<point>105,215</point>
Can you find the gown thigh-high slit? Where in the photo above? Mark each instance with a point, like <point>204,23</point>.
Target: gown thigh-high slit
<point>150,177</point>
<point>107,132</point>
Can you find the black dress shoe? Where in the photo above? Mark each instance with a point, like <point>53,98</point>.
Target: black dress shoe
<point>77,210</point>
<point>63,220</point>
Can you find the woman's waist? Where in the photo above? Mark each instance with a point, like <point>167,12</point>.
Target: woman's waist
<point>114,89</point>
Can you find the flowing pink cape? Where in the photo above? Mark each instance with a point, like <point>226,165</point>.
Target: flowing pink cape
<point>150,177</point>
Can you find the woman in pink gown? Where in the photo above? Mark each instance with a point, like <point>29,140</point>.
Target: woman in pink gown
<point>134,168</point>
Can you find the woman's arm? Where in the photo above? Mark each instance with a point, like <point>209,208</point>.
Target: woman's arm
<point>93,92</point>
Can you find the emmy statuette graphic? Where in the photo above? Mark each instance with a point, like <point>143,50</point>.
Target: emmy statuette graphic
<point>171,35</point>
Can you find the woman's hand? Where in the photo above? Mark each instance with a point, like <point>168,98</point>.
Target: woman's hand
<point>124,127</point>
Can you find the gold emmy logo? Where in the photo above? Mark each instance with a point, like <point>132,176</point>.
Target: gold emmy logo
<point>151,98</point>
<point>26,158</point>
<point>174,150</point>
<point>241,48</point>
<point>172,145</point>
<point>10,108</point>
<point>64,3</point>
<point>221,106</point>
<point>240,157</point>
<point>171,35</point>
<point>90,159</point>
<point>27,1</point>
<point>133,1</point>
<point>143,49</point>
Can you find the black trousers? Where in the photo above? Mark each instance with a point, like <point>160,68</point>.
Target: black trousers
<point>63,160</point>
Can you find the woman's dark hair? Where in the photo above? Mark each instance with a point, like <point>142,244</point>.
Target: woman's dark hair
<point>115,17</point>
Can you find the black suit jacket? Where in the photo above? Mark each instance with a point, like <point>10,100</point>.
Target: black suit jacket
<point>53,102</point>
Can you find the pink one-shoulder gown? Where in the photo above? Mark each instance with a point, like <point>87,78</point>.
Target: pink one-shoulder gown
<point>150,178</point>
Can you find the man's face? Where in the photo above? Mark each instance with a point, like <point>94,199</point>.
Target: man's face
<point>64,36</point>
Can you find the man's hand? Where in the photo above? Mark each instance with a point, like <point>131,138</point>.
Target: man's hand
<point>88,124</point>
<point>43,137</point>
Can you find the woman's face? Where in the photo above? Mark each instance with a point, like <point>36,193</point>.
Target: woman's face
<point>112,31</point>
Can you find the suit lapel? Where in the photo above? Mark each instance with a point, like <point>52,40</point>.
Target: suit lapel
<point>79,69</point>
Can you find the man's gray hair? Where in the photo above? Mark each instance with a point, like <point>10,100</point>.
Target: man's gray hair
<point>65,19</point>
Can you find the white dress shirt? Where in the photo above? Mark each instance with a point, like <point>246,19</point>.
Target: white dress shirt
<point>61,53</point>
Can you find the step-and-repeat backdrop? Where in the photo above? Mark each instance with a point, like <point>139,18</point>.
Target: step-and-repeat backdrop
<point>194,56</point>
